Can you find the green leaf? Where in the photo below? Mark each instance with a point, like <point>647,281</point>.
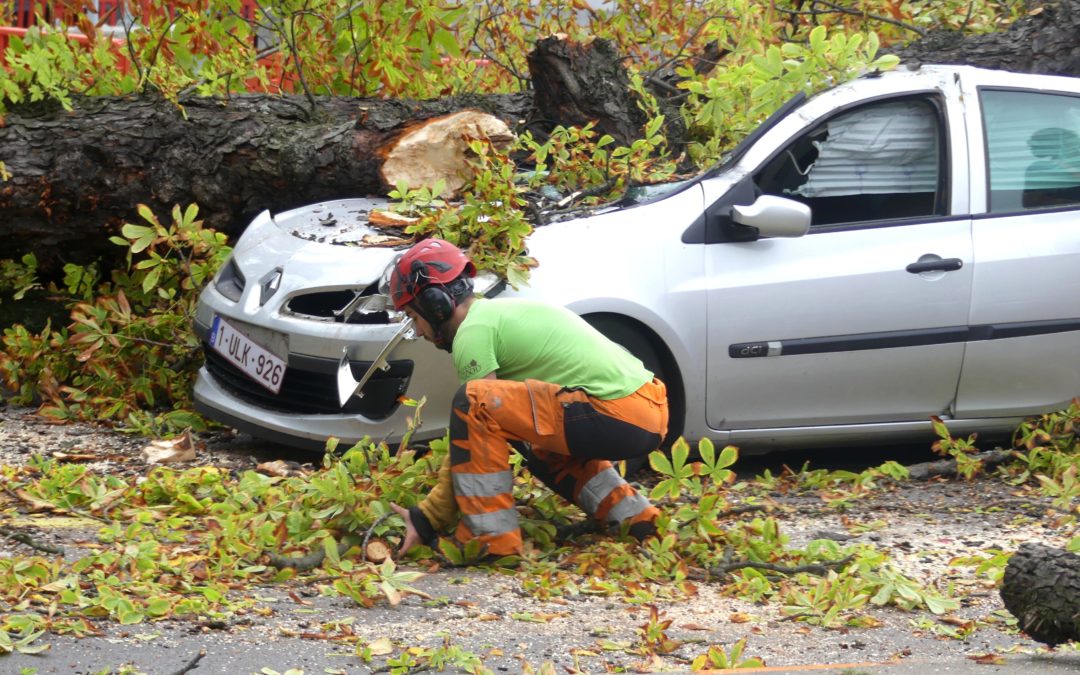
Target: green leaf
<point>147,214</point>
<point>140,236</point>
<point>151,279</point>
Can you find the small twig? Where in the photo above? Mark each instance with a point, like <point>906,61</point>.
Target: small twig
<point>853,12</point>
<point>192,664</point>
<point>583,194</point>
<point>474,42</point>
<point>797,616</point>
<point>949,467</point>
<point>303,563</point>
<point>745,508</point>
<point>24,538</point>
<point>811,568</point>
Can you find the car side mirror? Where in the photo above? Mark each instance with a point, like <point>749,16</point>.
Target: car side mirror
<point>774,216</point>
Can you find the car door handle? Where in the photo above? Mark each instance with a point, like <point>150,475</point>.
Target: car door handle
<point>943,265</point>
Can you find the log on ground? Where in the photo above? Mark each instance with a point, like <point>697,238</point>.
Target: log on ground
<point>1041,588</point>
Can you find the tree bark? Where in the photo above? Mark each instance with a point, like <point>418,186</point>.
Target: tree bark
<point>79,175</point>
<point>1042,42</point>
<point>577,83</point>
<point>1041,588</point>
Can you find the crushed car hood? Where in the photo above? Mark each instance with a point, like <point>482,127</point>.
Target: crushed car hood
<point>329,244</point>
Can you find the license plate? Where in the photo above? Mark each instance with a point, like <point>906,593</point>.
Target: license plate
<point>253,359</point>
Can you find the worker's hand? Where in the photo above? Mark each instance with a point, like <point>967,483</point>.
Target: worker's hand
<point>411,537</point>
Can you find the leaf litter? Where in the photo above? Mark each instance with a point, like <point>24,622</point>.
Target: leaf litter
<point>181,553</point>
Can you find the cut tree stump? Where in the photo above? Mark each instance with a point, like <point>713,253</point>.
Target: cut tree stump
<point>1041,588</point>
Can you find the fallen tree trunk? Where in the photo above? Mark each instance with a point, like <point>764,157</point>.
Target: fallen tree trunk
<point>78,175</point>
<point>1044,41</point>
<point>1041,588</point>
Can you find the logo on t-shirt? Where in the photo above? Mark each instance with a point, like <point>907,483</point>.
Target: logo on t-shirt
<point>471,369</point>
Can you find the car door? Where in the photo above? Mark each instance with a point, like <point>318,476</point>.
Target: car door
<point>863,319</point>
<point>1024,356</point>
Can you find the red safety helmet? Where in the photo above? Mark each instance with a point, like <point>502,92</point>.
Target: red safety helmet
<point>430,263</point>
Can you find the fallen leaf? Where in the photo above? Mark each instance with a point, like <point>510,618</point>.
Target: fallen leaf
<point>179,449</point>
<point>381,647</point>
<point>36,504</point>
<point>988,659</point>
<point>75,457</point>
<point>298,600</point>
<point>279,468</point>
<point>739,617</point>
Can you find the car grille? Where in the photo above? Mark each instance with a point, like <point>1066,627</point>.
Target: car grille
<point>314,390</point>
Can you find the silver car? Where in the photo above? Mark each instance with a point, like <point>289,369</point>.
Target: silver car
<point>901,246</point>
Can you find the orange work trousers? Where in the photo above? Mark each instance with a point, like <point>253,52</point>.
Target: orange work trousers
<point>572,439</point>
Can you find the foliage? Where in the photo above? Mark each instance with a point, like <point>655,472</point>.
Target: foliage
<point>426,48</point>
<point>959,449</point>
<point>720,110</point>
<point>129,353</point>
<point>716,658</point>
<point>491,223</point>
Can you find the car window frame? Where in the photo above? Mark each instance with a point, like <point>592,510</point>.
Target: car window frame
<point>943,199</point>
<point>987,192</point>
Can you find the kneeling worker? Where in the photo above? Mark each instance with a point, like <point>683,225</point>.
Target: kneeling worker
<point>536,376</point>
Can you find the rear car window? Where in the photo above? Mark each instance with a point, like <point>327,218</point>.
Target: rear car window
<point>1032,148</point>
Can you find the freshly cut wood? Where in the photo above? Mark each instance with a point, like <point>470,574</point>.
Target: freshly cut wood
<point>435,150</point>
<point>378,551</point>
<point>78,176</point>
<point>1041,588</point>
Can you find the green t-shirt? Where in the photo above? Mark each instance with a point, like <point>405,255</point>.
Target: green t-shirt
<point>521,339</point>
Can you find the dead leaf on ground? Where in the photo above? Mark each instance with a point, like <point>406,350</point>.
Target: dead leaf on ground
<point>988,659</point>
<point>381,647</point>
<point>280,468</point>
<point>179,449</point>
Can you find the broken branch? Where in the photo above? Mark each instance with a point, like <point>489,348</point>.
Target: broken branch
<point>24,538</point>
<point>810,568</point>
<point>192,664</point>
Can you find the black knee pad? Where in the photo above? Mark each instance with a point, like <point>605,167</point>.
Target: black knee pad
<point>459,431</point>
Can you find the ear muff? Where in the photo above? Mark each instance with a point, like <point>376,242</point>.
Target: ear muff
<point>436,305</point>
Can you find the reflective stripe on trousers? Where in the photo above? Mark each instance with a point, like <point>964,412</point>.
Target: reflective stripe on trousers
<point>487,414</point>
